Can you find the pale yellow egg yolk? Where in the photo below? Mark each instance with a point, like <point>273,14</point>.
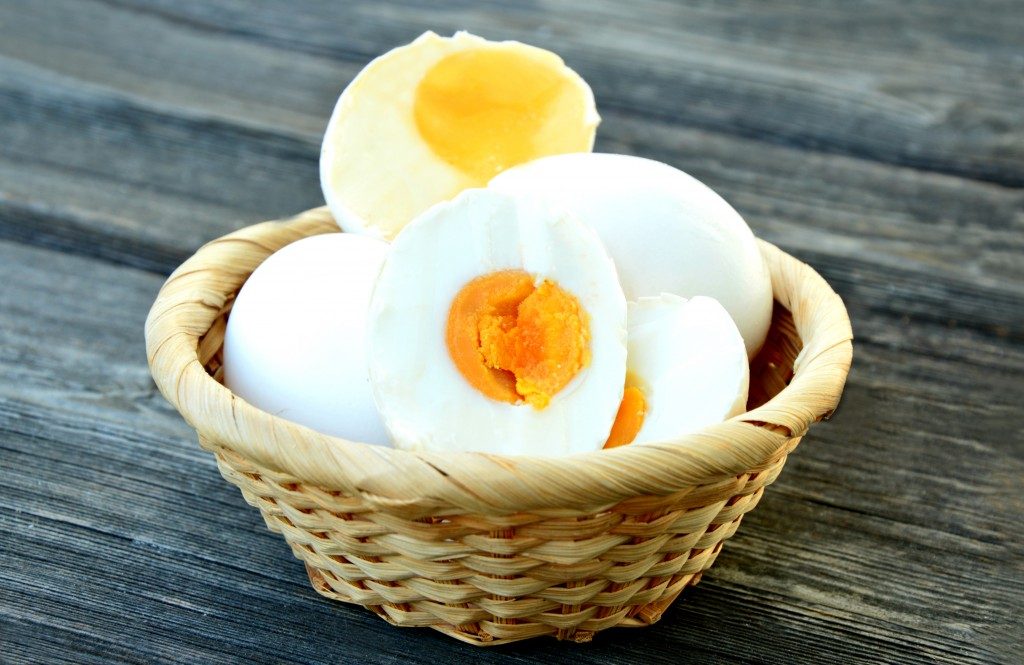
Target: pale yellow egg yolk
<point>516,341</point>
<point>485,110</point>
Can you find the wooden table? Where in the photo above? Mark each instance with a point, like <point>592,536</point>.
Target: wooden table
<point>881,142</point>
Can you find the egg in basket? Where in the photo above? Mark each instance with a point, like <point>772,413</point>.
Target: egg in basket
<point>511,398</point>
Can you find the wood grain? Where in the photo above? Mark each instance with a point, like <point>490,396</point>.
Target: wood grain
<point>925,85</point>
<point>103,480</point>
<point>883,143</point>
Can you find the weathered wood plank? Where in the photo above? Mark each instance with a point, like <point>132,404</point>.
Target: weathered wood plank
<point>919,244</point>
<point>927,85</point>
<point>212,146</point>
<point>882,144</point>
<point>88,130</point>
<point>111,508</point>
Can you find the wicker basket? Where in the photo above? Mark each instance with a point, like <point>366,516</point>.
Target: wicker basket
<point>485,548</point>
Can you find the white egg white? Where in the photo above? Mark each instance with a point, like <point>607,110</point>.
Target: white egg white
<point>295,344</point>
<point>425,401</point>
<point>688,359</point>
<point>666,231</point>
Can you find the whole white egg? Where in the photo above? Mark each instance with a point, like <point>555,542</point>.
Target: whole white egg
<point>666,231</point>
<point>295,344</point>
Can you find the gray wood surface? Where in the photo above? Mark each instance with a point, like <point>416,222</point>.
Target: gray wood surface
<point>881,142</point>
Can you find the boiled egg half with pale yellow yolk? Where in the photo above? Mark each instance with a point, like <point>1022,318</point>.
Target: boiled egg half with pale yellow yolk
<point>427,120</point>
<point>497,326</point>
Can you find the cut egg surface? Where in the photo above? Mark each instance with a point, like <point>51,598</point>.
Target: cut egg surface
<point>295,344</point>
<point>499,326</point>
<point>687,369</point>
<point>427,120</point>
<point>666,231</point>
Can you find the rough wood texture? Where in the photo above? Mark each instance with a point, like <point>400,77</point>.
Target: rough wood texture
<point>883,143</point>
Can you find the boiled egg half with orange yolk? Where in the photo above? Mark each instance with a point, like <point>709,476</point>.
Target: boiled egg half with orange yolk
<point>687,369</point>
<point>427,120</point>
<point>499,326</point>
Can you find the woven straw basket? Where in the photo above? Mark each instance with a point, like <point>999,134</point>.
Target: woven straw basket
<point>485,548</point>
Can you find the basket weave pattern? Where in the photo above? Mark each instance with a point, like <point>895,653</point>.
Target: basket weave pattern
<point>485,548</point>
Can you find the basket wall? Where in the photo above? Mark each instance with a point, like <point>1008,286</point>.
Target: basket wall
<point>485,548</point>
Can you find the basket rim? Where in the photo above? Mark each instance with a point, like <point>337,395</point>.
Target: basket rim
<point>431,482</point>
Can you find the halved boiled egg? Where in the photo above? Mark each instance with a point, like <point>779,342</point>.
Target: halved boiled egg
<point>427,120</point>
<point>687,369</point>
<point>666,231</point>
<point>498,325</point>
<point>295,344</point>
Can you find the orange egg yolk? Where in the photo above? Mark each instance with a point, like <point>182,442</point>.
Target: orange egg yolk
<point>629,419</point>
<point>485,110</point>
<point>515,341</point>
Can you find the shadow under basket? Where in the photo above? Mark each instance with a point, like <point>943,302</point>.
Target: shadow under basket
<point>486,548</point>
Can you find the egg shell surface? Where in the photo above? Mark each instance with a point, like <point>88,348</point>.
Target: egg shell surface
<point>295,344</point>
<point>666,231</point>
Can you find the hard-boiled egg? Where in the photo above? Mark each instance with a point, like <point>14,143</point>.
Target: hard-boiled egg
<point>687,369</point>
<point>666,231</point>
<point>295,344</point>
<point>498,325</point>
<point>427,120</point>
